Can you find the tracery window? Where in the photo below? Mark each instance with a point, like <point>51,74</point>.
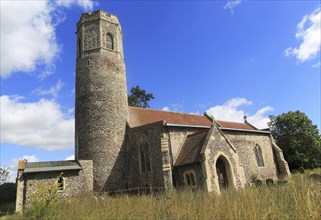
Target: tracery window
<point>145,158</point>
<point>109,41</point>
<point>258,155</point>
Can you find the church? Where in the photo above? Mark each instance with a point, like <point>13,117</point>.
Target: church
<point>119,147</point>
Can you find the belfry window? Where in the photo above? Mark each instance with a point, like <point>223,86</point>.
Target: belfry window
<point>145,158</point>
<point>109,41</point>
<point>259,156</point>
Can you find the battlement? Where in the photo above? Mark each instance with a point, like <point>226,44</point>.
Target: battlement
<point>96,15</point>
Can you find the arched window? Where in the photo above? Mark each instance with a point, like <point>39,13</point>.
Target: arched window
<point>259,156</point>
<point>109,41</point>
<point>61,183</point>
<point>145,158</point>
<point>189,178</point>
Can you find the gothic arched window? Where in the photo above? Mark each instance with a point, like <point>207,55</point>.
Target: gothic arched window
<point>259,156</point>
<point>189,178</point>
<point>109,41</point>
<point>145,158</point>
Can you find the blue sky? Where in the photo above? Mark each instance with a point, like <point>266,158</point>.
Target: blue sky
<point>229,58</point>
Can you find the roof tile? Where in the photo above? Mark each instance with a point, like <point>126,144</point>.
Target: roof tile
<point>190,152</point>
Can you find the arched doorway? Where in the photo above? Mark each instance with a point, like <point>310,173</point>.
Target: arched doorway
<point>222,170</point>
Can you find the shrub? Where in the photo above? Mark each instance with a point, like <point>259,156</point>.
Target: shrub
<point>42,200</point>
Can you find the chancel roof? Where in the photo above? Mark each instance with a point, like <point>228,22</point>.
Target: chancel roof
<point>235,125</point>
<point>142,116</point>
<point>190,151</point>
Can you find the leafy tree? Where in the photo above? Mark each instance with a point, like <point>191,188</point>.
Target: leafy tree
<point>138,97</point>
<point>4,175</point>
<point>299,139</point>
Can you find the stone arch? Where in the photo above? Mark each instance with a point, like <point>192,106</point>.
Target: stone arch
<point>224,177</point>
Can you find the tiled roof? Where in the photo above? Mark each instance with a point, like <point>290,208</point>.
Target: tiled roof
<point>142,116</point>
<point>235,125</point>
<point>190,152</point>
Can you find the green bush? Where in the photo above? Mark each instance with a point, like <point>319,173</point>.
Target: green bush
<point>42,201</point>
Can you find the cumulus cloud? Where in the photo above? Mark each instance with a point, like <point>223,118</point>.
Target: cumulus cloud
<point>52,91</point>
<point>166,108</point>
<point>85,4</point>
<point>39,124</point>
<point>309,32</point>
<point>28,37</point>
<point>71,157</point>
<point>175,107</point>
<point>230,111</point>
<point>13,166</point>
<point>231,4</point>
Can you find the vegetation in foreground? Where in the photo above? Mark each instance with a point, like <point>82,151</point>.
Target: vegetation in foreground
<point>300,198</point>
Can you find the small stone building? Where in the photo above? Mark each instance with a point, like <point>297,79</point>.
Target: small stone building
<point>118,147</point>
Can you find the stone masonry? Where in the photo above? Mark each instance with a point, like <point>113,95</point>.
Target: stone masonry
<point>101,99</point>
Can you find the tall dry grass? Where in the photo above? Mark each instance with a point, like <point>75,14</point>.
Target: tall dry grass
<point>299,199</point>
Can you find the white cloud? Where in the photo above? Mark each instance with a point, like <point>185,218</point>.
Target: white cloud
<point>231,4</point>
<point>13,166</point>
<point>28,34</point>
<point>166,108</point>
<point>71,157</point>
<point>53,91</point>
<point>85,4</point>
<point>230,111</point>
<point>309,31</point>
<point>175,107</point>
<point>39,124</point>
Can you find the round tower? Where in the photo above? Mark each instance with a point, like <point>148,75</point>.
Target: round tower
<point>101,98</point>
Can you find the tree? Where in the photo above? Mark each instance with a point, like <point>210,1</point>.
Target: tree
<point>4,175</point>
<point>299,139</point>
<point>138,97</point>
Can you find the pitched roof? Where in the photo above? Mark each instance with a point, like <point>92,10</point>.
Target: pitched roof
<point>190,152</point>
<point>34,167</point>
<point>142,116</point>
<point>235,125</point>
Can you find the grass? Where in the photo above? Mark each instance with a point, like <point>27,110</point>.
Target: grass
<point>299,199</point>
